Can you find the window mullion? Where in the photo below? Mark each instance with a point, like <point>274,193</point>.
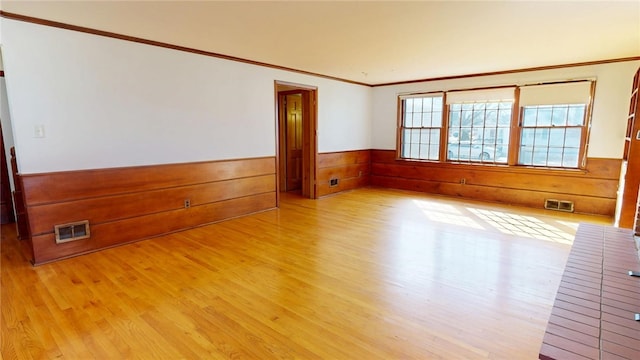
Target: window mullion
<point>516,130</point>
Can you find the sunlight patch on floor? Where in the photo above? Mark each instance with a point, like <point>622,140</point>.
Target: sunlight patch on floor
<point>523,225</point>
<point>503,221</point>
<point>446,214</point>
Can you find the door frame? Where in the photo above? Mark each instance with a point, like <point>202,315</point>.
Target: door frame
<point>309,137</point>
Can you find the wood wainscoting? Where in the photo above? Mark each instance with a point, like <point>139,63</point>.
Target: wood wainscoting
<point>350,168</point>
<point>129,204</point>
<point>593,190</point>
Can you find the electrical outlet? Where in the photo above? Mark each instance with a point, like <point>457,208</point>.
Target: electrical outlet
<point>463,181</point>
<point>187,203</point>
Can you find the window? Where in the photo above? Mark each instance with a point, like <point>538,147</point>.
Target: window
<point>553,124</point>
<point>481,126</point>
<point>421,127</point>
<point>551,135</point>
<point>479,131</point>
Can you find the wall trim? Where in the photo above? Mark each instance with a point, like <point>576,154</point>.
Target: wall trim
<point>87,30</point>
<point>513,71</point>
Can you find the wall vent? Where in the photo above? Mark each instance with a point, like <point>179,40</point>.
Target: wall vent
<point>561,205</point>
<point>72,232</point>
<point>333,182</point>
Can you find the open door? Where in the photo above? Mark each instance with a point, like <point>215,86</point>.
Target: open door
<point>292,136</point>
<point>297,142</point>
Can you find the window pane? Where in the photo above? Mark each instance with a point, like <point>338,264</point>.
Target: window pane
<point>556,137</point>
<point>415,136</point>
<point>435,137</point>
<point>491,117</point>
<point>529,116</point>
<point>408,119</point>
<point>408,105</point>
<point>576,115</point>
<point>454,119</point>
<point>465,117</point>
<point>541,137</point>
<point>544,116</point>
<point>424,152</point>
<point>417,119</point>
<point>436,119</point>
<point>526,154</point>
<point>426,120</point>
<point>425,136</point>
<point>476,135</point>
<point>415,151</point>
<point>573,137</point>
<point>426,105</point>
<point>437,103</point>
<point>405,151</point>
<point>434,151</point>
<point>554,156</point>
<point>406,136</point>
<point>570,158</point>
<point>504,118</point>
<point>417,105</point>
<point>527,137</point>
<point>559,116</point>
<point>540,156</point>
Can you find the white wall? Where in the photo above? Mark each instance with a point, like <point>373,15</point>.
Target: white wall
<point>610,109</point>
<point>109,103</point>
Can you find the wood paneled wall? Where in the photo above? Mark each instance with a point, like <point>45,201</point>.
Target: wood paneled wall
<point>130,204</point>
<point>592,190</point>
<point>351,168</point>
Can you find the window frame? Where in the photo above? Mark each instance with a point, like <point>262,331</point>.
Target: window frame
<point>581,127</point>
<point>471,160</point>
<point>514,134</point>
<point>400,126</point>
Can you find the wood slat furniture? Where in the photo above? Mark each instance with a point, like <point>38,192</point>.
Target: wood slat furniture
<point>593,316</point>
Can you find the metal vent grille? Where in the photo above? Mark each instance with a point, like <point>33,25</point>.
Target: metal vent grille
<point>561,205</point>
<point>71,232</point>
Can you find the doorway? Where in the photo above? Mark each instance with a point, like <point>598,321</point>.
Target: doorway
<point>297,142</point>
<point>7,214</point>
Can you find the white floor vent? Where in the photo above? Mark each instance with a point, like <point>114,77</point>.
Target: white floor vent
<point>561,205</point>
<point>71,232</point>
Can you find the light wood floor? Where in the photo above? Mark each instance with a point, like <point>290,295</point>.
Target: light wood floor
<point>368,274</point>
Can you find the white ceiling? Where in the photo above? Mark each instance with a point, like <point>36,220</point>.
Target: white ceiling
<point>372,42</point>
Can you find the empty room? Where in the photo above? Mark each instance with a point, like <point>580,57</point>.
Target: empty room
<point>320,179</point>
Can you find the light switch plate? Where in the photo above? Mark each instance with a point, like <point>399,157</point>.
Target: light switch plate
<point>38,131</point>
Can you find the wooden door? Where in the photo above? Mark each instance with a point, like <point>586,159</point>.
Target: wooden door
<point>297,138</point>
<point>294,144</point>
<point>629,206</point>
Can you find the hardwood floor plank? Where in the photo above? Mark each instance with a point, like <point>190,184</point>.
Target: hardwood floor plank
<point>365,274</point>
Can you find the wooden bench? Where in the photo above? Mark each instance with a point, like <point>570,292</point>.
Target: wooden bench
<point>594,312</point>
